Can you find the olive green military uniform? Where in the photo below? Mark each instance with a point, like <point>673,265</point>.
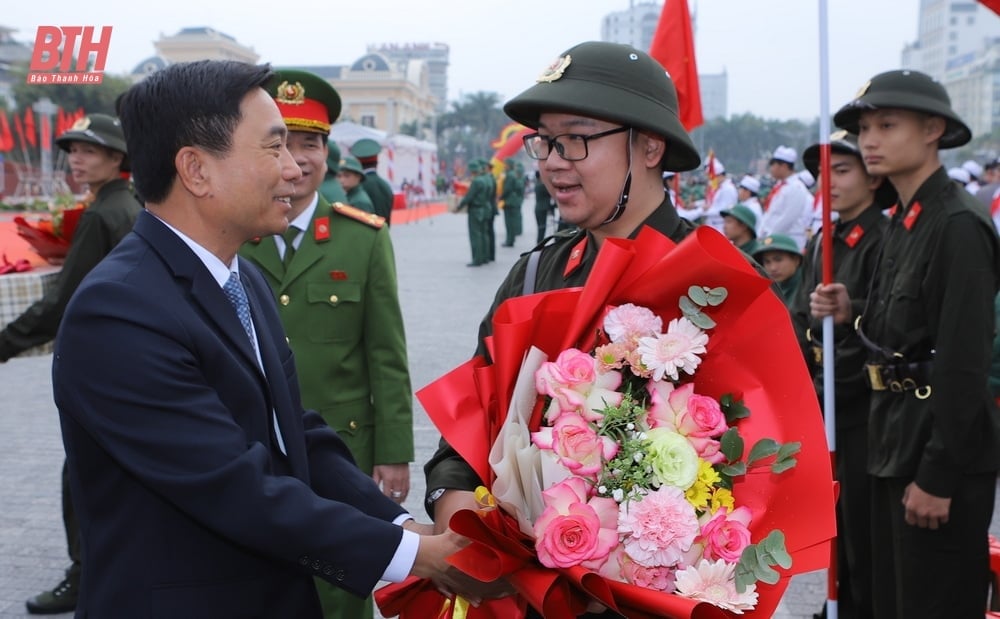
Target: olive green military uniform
<point>856,244</point>
<point>784,243</point>
<point>477,202</point>
<point>377,188</point>
<point>339,304</point>
<point>512,196</point>
<point>544,206</point>
<point>357,196</point>
<point>929,324</point>
<point>331,189</point>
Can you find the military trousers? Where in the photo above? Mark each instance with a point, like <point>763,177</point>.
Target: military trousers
<point>480,224</point>
<point>512,222</point>
<point>939,573</point>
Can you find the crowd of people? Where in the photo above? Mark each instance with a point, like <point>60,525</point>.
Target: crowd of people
<point>230,362</point>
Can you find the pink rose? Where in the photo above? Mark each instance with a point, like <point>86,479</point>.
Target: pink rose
<point>709,449</point>
<point>726,535</point>
<point>570,369</point>
<point>579,447</point>
<point>701,417</point>
<point>574,530</point>
<point>659,413</point>
<point>573,382</point>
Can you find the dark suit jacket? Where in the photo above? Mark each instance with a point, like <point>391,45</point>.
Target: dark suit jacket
<point>187,507</point>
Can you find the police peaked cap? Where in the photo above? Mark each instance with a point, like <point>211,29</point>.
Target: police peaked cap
<point>613,82</point>
<point>846,143</point>
<point>906,90</point>
<point>307,102</point>
<point>366,148</point>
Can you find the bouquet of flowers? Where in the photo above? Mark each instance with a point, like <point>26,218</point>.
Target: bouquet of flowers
<point>614,448</point>
<point>52,235</point>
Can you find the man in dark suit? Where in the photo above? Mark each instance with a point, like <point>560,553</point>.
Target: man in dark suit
<point>210,492</point>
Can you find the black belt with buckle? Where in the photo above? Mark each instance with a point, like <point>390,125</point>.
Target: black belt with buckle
<point>900,377</point>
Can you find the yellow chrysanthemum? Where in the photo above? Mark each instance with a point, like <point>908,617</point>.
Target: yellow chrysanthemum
<point>698,495</point>
<point>708,475</point>
<point>722,498</point>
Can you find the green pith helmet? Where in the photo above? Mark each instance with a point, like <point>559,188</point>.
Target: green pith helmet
<point>907,90</point>
<point>98,129</point>
<point>846,143</point>
<point>743,215</point>
<point>350,163</point>
<point>613,82</point>
<point>366,148</point>
<point>307,102</point>
<point>776,242</point>
<point>332,157</point>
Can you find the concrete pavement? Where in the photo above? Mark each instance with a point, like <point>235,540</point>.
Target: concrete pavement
<point>443,302</point>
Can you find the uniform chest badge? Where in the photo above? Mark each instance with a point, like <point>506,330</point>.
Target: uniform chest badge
<point>338,276</point>
<point>321,229</point>
<point>911,216</point>
<point>575,257</point>
<point>555,70</point>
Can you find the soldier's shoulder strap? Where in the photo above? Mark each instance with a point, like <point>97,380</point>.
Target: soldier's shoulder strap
<point>351,212</point>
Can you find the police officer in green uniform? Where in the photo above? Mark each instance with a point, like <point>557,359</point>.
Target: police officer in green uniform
<point>477,203</point>
<point>331,189</point>
<point>334,276</point>
<point>97,157</point>
<point>491,236</point>
<point>782,260</point>
<point>607,127</point>
<point>858,199</point>
<point>739,224</point>
<point>351,176</point>
<point>379,189</point>
<point>512,196</point>
<point>928,325</point>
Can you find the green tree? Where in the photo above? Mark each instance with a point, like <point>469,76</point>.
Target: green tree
<point>467,129</point>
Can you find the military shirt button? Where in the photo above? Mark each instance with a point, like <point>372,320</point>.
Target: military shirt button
<point>316,565</point>
<point>353,425</point>
<point>334,298</point>
<point>284,299</point>
<point>328,570</point>
<point>340,575</point>
<point>304,560</point>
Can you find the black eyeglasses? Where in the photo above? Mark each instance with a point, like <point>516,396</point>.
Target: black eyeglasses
<point>570,146</point>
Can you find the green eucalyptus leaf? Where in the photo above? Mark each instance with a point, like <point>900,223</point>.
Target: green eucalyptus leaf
<point>789,449</point>
<point>698,295</point>
<point>716,296</point>
<point>783,465</point>
<point>688,307</point>
<point>734,470</point>
<point>732,445</point>
<point>702,321</point>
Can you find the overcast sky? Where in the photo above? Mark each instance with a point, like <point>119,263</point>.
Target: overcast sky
<point>769,48</point>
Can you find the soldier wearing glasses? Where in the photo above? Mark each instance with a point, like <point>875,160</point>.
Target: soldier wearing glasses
<point>607,128</point>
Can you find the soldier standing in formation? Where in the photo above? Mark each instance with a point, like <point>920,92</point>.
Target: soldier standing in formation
<point>351,176</point>
<point>379,189</point>
<point>479,207</point>
<point>334,276</point>
<point>928,326</point>
<point>512,196</point>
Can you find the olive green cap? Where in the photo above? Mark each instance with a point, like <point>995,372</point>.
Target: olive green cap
<point>613,82</point>
<point>332,157</point>
<point>307,102</point>
<point>906,90</point>
<point>846,143</point>
<point>776,242</point>
<point>744,215</point>
<point>98,129</point>
<point>351,164</point>
<point>365,148</point>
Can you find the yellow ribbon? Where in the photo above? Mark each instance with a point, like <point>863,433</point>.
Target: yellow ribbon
<point>461,610</point>
<point>484,500</point>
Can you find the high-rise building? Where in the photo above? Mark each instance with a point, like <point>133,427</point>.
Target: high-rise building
<point>636,26</point>
<point>958,44</point>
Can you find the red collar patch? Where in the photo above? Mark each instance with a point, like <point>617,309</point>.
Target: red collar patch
<point>854,236</point>
<point>321,229</point>
<point>575,257</point>
<point>911,216</point>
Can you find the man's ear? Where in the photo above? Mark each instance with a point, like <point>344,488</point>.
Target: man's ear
<point>655,150</point>
<point>192,171</point>
<point>934,128</point>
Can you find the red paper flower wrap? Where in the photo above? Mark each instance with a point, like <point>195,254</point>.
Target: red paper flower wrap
<point>752,352</point>
<point>44,238</point>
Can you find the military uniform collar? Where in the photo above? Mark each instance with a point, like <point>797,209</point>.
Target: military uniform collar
<point>934,185</point>
<point>865,221</point>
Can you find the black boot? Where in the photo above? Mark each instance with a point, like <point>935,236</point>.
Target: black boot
<point>61,599</point>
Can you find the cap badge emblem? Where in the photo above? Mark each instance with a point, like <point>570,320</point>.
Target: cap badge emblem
<point>863,90</point>
<point>838,136</point>
<point>81,125</point>
<point>555,70</point>
<point>293,94</point>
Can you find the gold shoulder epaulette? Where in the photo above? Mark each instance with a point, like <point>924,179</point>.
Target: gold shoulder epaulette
<point>371,219</point>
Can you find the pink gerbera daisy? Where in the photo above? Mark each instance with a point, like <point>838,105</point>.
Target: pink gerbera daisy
<point>714,582</point>
<point>677,349</point>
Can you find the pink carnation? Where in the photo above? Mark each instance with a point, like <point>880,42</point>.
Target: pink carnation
<point>658,529</point>
<point>579,447</point>
<point>628,322</point>
<point>656,578</point>
<point>574,530</point>
<point>726,535</point>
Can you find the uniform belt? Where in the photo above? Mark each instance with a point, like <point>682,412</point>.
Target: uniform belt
<point>900,377</point>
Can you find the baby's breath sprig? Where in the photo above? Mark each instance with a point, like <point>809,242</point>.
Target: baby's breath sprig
<point>627,474</point>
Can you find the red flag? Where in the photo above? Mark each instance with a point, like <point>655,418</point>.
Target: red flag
<point>993,5</point>
<point>60,121</point>
<point>19,128</point>
<point>29,127</point>
<point>673,47</point>
<point>6,138</point>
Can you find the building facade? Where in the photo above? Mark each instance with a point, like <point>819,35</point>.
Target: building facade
<point>434,55</point>
<point>958,44</point>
